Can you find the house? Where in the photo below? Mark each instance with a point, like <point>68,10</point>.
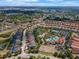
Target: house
<point>75,44</point>
<point>31,40</point>
<point>56,40</point>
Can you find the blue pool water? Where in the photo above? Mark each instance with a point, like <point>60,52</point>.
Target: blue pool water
<point>54,38</point>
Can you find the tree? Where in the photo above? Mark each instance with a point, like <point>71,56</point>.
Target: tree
<point>69,54</point>
<point>48,58</point>
<point>39,57</point>
<point>44,57</point>
<point>61,55</point>
<point>77,57</point>
<point>19,58</point>
<point>32,57</point>
<point>8,54</point>
<point>55,54</point>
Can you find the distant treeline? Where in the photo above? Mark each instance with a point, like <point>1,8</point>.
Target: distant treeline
<point>18,11</point>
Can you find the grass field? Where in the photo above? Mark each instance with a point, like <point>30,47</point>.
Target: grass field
<point>4,52</point>
<point>6,33</point>
<point>47,50</point>
<point>4,36</point>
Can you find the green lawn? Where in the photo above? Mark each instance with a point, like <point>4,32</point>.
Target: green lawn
<point>5,36</point>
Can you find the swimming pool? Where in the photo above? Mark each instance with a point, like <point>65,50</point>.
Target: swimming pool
<point>54,38</point>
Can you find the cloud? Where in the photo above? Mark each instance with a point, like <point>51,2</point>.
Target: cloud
<point>52,4</point>
<point>48,4</point>
<point>31,0</point>
<point>19,0</point>
<point>36,4</point>
<point>39,3</point>
<point>55,0</point>
<point>9,0</point>
<point>69,3</point>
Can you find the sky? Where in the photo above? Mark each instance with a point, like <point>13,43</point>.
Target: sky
<point>39,2</point>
